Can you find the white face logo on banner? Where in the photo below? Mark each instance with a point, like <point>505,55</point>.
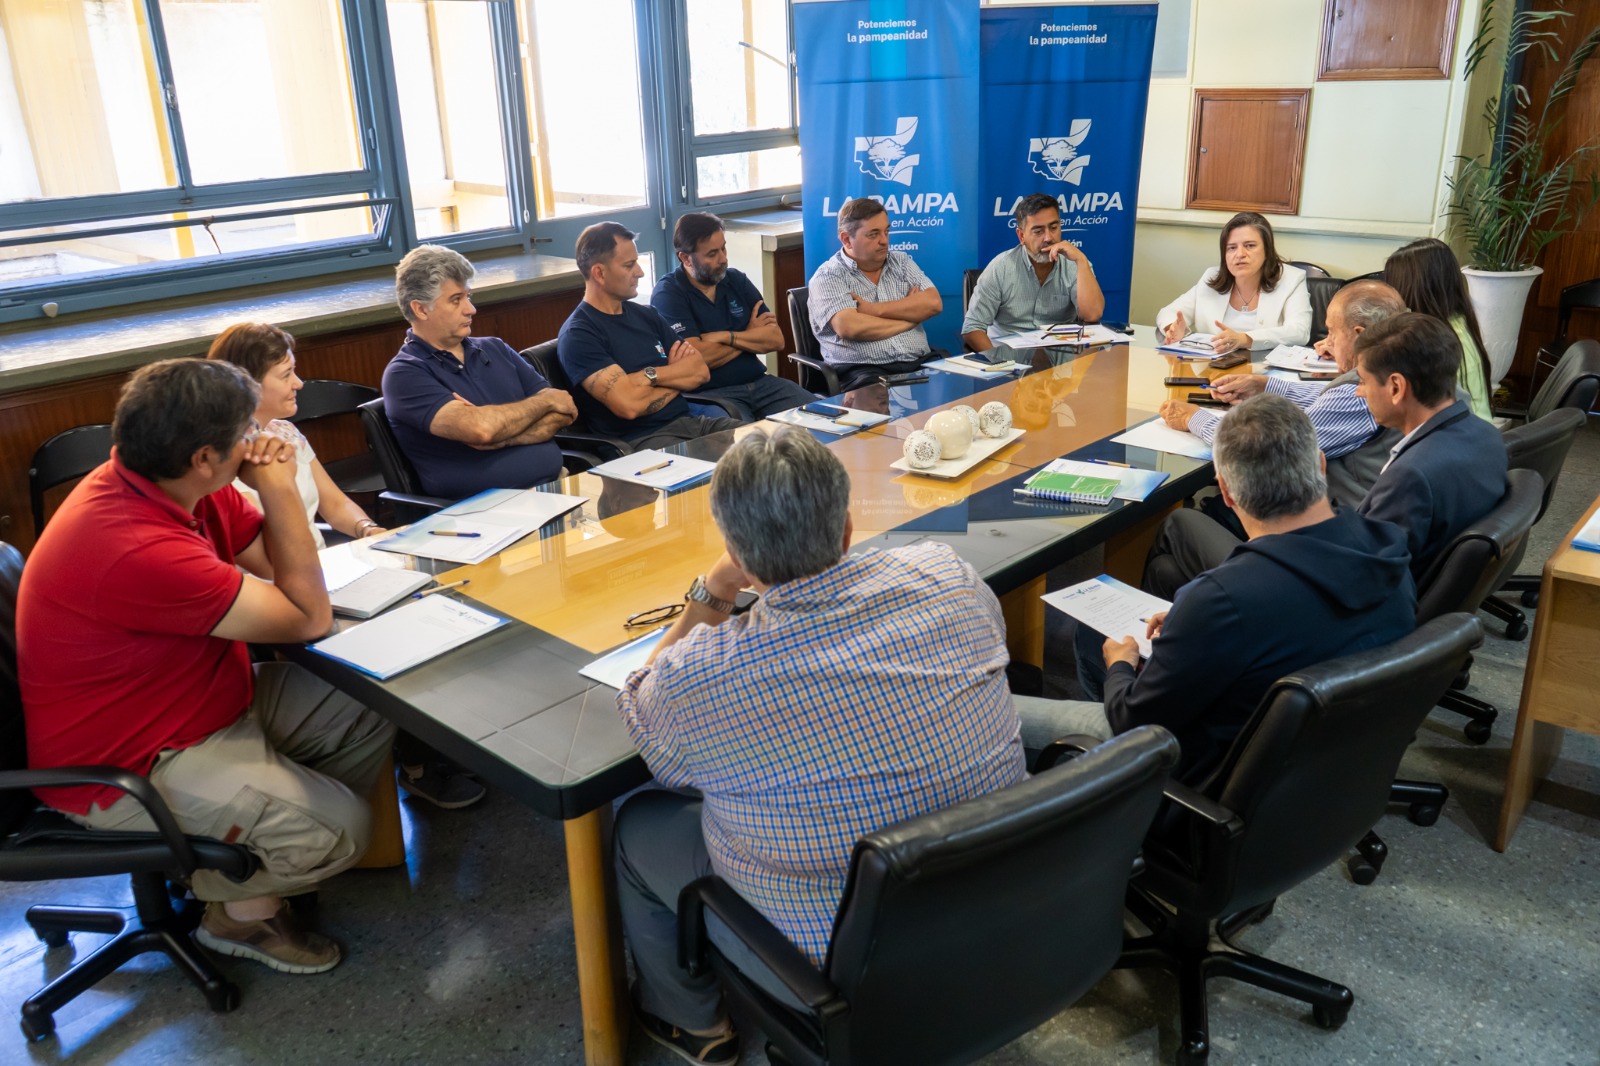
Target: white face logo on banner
<point>885,157</point>
<point>1057,158</point>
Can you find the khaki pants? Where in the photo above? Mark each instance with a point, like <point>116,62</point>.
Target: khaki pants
<point>289,779</point>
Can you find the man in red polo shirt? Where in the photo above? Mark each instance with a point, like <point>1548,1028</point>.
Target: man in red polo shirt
<point>132,619</point>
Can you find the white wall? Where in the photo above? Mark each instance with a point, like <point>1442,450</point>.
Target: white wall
<point>1375,160</point>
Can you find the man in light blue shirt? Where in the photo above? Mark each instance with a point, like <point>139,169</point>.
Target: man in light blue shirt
<point>1042,281</point>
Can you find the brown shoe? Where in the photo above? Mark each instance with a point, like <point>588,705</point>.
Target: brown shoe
<point>277,941</point>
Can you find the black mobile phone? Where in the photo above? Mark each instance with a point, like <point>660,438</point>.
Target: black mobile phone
<point>1114,327</point>
<point>826,410</point>
<point>1173,383</point>
<point>993,355</point>
<point>1233,358</point>
<point>1205,399</point>
<point>904,379</point>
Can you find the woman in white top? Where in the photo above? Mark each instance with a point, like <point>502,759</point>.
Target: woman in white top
<point>1251,299</point>
<point>266,353</point>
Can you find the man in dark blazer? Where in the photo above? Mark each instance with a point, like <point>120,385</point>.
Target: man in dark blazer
<point>1449,468</point>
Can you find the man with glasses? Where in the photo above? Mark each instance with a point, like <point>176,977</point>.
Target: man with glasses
<point>133,619</point>
<point>1042,281</point>
<point>716,308</point>
<point>858,691</point>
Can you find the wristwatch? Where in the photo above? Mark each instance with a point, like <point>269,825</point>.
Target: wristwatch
<point>698,593</point>
<point>650,375</point>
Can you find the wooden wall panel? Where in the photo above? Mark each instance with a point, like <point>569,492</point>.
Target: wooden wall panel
<point>788,272</point>
<point>30,417</point>
<point>1247,149</point>
<point>1387,40</point>
<point>1576,257</point>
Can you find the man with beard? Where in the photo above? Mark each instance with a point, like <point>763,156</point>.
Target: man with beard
<point>715,307</point>
<point>1042,281</point>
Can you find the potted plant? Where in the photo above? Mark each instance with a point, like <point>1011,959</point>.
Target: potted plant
<point>1508,206</point>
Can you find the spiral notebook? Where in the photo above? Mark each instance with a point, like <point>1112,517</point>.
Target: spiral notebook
<point>1070,488</point>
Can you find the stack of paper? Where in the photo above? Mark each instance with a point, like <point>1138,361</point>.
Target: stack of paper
<point>614,667</point>
<point>1192,346</point>
<point>973,368</point>
<point>1132,483</point>
<point>1158,436</point>
<point>1299,357</point>
<point>474,529</point>
<point>1108,606</point>
<point>656,470</point>
<point>849,422</point>
<point>409,636</point>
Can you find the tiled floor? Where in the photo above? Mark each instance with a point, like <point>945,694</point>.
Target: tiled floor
<point>1456,954</point>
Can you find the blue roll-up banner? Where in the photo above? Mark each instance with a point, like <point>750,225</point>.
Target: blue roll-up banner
<point>889,110</point>
<point>1063,101</point>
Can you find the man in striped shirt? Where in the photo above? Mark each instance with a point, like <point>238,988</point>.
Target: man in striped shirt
<point>859,691</point>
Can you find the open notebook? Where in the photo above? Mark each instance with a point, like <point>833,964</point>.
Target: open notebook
<point>360,589</point>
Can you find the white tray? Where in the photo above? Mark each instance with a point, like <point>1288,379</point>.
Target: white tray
<point>982,448</point>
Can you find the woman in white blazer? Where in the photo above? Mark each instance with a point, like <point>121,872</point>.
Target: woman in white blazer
<point>1251,299</point>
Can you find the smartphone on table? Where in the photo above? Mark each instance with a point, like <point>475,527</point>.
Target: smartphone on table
<point>1233,358</point>
<point>826,410</point>
<point>1205,399</point>
<point>1178,382</point>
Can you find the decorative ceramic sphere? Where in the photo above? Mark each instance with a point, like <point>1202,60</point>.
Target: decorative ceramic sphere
<point>921,449</point>
<point>995,419</point>
<point>972,416</point>
<point>954,433</point>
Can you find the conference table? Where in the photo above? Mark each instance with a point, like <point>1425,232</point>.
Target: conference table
<point>512,706</point>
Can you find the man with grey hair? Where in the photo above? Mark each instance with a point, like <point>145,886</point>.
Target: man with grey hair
<point>1041,281</point>
<point>867,303</point>
<point>858,691</point>
<point>469,412</point>
<point>1309,584</point>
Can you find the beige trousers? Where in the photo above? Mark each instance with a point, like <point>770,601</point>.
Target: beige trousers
<point>290,779</point>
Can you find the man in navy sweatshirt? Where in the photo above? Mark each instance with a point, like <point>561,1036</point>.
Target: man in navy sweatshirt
<point>1307,586</point>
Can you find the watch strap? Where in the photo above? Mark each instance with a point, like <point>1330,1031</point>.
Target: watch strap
<point>698,593</point>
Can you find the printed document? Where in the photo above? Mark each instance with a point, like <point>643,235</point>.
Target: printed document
<point>408,636</point>
<point>1110,607</point>
<point>1157,435</point>
<point>470,532</point>
<point>614,667</point>
<point>656,470</point>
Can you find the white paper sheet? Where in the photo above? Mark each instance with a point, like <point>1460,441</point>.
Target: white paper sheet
<point>360,589</point>
<point>613,668</point>
<point>972,370</point>
<point>1111,607</point>
<point>408,636</point>
<point>1298,357</point>
<point>656,470</point>
<point>1161,437</point>
<point>851,421</point>
<point>510,515</point>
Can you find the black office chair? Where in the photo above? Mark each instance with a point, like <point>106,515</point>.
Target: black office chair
<point>321,398</point>
<point>1321,290</point>
<point>1304,781</point>
<point>583,447</point>
<point>1371,275</point>
<point>958,930</point>
<point>38,844</point>
<point>969,283</point>
<point>815,374</point>
<point>403,496</point>
<point>1312,270</point>
<point>1540,446</point>
<point>1585,294</point>
<point>65,457</point>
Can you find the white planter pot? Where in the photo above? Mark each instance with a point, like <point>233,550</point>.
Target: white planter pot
<point>1498,297</point>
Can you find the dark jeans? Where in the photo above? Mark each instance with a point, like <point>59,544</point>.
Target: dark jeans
<point>767,395</point>
<point>1188,544</point>
<point>689,427</point>
<point>855,375</point>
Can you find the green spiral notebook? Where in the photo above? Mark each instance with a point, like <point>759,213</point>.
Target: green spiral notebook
<point>1070,488</point>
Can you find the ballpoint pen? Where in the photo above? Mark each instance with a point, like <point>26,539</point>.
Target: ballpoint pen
<point>441,588</point>
<point>452,533</point>
<point>653,469</point>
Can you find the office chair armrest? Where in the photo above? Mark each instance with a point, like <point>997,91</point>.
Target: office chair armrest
<point>135,785</point>
<point>1065,748</point>
<point>727,406</point>
<point>820,367</point>
<point>1226,823</point>
<point>786,961</point>
<point>594,444</point>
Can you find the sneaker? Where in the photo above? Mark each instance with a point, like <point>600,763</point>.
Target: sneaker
<point>443,785</point>
<point>720,1048</point>
<point>279,942</point>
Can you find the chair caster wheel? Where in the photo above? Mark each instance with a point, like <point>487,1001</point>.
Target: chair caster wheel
<point>1423,814</point>
<point>53,938</point>
<point>1362,872</point>
<point>38,1027</point>
<point>1517,631</point>
<point>222,997</point>
<point>1330,1017</point>
<point>1530,598</point>
<point>1477,732</point>
<point>1194,1053</point>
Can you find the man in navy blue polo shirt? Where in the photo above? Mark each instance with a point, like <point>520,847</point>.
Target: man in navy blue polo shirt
<point>469,412</point>
<point>629,368</point>
<point>718,310</point>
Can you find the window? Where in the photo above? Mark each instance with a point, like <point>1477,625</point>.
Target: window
<point>742,138</point>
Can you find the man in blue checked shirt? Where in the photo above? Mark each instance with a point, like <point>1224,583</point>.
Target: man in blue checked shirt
<point>859,691</point>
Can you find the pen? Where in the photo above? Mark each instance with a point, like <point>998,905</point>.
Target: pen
<point>441,588</point>
<point>652,469</point>
<point>1108,462</point>
<point>452,533</point>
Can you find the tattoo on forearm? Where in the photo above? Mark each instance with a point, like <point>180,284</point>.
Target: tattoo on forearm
<point>608,381</point>
<point>657,404</point>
